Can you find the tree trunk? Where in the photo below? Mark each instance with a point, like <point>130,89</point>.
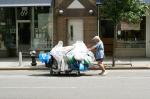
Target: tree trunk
<point>114,44</point>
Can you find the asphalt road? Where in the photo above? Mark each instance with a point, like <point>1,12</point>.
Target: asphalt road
<point>117,84</point>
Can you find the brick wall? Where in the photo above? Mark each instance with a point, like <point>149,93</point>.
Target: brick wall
<point>90,29</point>
<point>61,30</point>
<point>61,27</point>
<point>93,1</point>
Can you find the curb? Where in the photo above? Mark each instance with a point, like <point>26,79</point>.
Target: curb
<point>24,68</point>
<point>45,68</point>
<point>122,68</point>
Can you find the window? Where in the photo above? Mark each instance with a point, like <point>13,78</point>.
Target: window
<point>132,38</point>
<point>24,13</point>
<point>43,28</point>
<point>7,28</point>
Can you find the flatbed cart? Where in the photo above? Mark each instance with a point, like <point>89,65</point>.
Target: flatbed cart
<point>65,66</point>
<point>68,59</point>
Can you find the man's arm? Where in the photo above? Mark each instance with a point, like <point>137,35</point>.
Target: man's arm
<point>92,48</point>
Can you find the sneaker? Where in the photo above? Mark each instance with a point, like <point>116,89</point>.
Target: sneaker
<point>103,73</point>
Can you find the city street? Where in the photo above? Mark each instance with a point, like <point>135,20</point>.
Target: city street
<point>36,84</point>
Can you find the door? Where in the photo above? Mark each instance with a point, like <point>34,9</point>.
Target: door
<point>75,30</point>
<point>107,35</point>
<point>23,36</point>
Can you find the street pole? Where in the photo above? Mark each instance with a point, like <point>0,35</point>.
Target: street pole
<point>98,20</point>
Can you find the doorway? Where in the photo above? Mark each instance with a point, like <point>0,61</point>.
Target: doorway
<point>107,35</point>
<point>23,36</point>
<point>75,30</point>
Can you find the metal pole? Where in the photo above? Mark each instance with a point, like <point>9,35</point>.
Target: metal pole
<point>20,58</point>
<point>53,13</point>
<point>32,28</point>
<point>98,20</point>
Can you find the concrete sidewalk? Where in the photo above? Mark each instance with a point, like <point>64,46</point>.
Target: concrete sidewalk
<point>13,64</point>
<point>128,63</point>
<point>121,63</point>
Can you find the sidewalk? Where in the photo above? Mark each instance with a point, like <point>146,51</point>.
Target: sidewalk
<point>13,64</point>
<point>128,63</point>
<point>121,63</point>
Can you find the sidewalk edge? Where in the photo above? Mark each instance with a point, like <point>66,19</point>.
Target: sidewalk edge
<point>44,68</point>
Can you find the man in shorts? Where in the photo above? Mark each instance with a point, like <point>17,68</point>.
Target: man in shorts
<point>99,53</point>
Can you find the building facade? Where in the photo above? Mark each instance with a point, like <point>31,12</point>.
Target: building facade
<point>148,34</point>
<point>75,20</point>
<point>25,25</point>
<point>133,40</point>
<point>40,24</point>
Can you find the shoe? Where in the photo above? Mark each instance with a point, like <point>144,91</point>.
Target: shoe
<point>103,73</point>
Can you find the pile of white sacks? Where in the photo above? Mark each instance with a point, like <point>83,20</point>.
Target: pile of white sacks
<point>77,51</point>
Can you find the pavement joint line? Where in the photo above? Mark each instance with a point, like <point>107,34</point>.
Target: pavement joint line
<point>44,87</point>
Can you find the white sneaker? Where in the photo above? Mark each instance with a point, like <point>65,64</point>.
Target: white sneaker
<point>103,73</point>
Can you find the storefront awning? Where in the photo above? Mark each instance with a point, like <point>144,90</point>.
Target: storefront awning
<point>20,3</point>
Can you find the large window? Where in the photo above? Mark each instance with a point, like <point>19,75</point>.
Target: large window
<point>133,36</point>
<point>7,28</point>
<point>43,28</point>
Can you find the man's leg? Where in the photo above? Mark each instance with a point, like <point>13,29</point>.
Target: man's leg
<point>102,67</point>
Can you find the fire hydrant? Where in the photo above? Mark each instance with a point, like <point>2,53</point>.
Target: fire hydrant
<point>33,57</point>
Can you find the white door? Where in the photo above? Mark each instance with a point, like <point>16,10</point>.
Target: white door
<point>147,36</point>
<point>75,30</point>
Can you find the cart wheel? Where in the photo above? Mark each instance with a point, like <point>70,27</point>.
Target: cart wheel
<point>46,64</point>
<point>51,71</point>
<point>55,64</point>
<point>58,73</point>
<point>78,73</point>
<point>67,72</point>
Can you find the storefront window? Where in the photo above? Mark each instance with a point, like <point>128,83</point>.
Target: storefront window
<point>132,37</point>
<point>7,28</point>
<point>43,27</point>
<point>24,13</point>
<point>2,29</point>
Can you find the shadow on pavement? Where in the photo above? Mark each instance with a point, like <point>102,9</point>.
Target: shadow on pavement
<point>63,75</point>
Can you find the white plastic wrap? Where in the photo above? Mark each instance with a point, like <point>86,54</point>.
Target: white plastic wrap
<point>78,50</point>
<point>59,52</point>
